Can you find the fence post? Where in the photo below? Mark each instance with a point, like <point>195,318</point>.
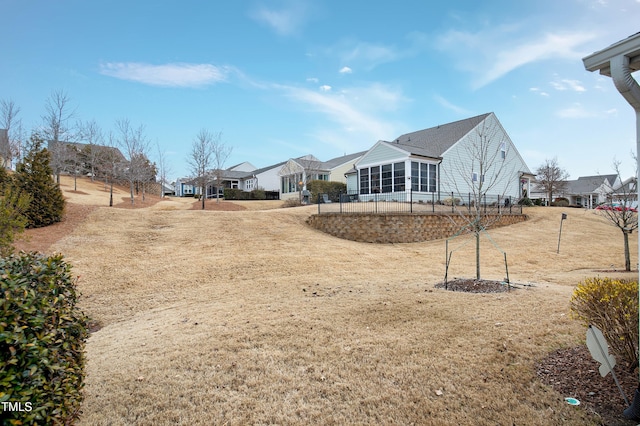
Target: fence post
<point>411,200</point>
<point>453,203</point>
<point>318,203</point>
<point>499,205</point>
<point>433,202</point>
<point>375,200</point>
<point>340,202</point>
<point>485,203</point>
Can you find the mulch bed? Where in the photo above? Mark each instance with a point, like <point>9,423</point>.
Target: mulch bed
<point>574,373</point>
<point>475,286</point>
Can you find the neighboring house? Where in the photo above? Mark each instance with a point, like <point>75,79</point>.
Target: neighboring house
<point>297,172</point>
<point>430,164</point>
<point>589,191</point>
<point>85,159</point>
<point>242,176</point>
<point>185,187</point>
<point>626,191</point>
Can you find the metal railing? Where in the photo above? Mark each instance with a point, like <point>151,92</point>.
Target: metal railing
<point>414,202</point>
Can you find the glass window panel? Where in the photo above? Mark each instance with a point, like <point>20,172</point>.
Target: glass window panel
<point>375,179</point>
<point>415,176</point>
<point>364,181</point>
<point>387,178</point>
<point>424,171</point>
<point>398,177</point>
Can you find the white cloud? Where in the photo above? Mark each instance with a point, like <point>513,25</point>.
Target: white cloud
<point>325,88</point>
<point>493,53</point>
<point>312,80</point>
<point>345,70</point>
<point>446,104</point>
<point>568,84</point>
<point>575,111</point>
<point>286,21</point>
<point>538,91</point>
<point>359,111</point>
<point>167,75</point>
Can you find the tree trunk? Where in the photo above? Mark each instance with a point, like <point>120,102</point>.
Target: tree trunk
<point>131,190</point>
<point>111,195</point>
<point>477,255</point>
<point>203,195</point>
<point>627,256</point>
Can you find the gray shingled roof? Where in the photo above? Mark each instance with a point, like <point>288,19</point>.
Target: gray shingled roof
<point>588,184</point>
<point>335,162</point>
<point>433,142</point>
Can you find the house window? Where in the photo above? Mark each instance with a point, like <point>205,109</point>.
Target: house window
<point>423,177</point>
<point>290,183</point>
<point>375,179</point>
<point>364,181</point>
<point>387,178</point>
<point>474,177</point>
<point>503,150</point>
<point>398,177</point>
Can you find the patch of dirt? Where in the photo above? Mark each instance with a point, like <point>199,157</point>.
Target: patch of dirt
<point>475,286</point>
<point>40,239</point>
<point>574,373</point>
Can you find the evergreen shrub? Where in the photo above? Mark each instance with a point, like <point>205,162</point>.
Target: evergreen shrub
<point>42,340</point>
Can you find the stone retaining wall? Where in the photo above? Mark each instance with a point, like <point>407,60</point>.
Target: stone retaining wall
<point>398,227</point>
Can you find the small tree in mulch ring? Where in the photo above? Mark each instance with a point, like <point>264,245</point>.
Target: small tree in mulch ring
<point>475,286</point>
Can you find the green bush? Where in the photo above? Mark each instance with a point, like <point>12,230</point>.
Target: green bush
<point>34,177</point>
<point>239,194</point>
<point>560,202</point>
<point>332,189</point>
<point>42,338</point>
<point>612,306</point>
<point>525,201</point>
<point>13,206</point>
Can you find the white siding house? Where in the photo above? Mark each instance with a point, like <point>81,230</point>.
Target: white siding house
<point>430,164</point>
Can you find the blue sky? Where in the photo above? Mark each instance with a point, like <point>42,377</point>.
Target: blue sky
<point>285,78</point>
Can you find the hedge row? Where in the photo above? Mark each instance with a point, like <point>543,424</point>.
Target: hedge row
<point>42,339</point>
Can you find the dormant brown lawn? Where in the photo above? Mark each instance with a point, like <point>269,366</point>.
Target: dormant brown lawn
<point>252,317</point>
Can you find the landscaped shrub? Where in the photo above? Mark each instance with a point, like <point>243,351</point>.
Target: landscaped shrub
<point>612,306</point>
<point>33,177</point>
<point>452,201</point>
<point>239,194</point>
<point>292,202</point>
<point>332,189</point>
<point>560,202</point>
<point>42,338</point>
<point>525,201</point>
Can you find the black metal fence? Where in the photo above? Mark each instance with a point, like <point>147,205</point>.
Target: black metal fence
<point>410,202</point>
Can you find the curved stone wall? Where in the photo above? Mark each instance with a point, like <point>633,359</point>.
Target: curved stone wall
<point>398,227</point>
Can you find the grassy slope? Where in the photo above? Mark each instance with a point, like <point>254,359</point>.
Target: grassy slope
<point>252,317</point>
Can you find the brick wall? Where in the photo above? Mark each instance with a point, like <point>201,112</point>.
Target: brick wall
<point>398,227</point>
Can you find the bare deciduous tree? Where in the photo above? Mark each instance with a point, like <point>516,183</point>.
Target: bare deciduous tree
<point>201,158</point>
<point>56,129</point>
<point>10,147</point>
<point>134,143</point>
<point>163,168</point>
<point>480,171</point>
<point>221,153</point>
<point>92,135</point>
<point>551,178</point>
<point>620,211</point>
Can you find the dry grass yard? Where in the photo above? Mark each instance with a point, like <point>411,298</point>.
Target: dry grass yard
<point>252,317</point>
